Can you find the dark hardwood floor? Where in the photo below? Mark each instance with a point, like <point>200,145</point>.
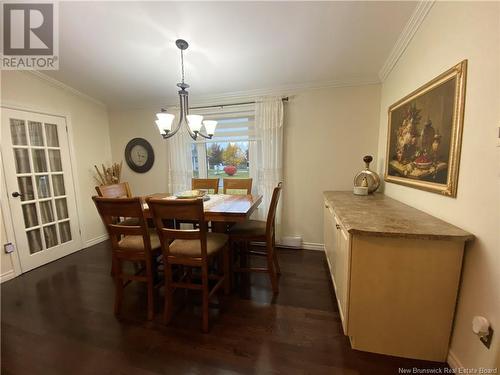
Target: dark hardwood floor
<point>58,319</point>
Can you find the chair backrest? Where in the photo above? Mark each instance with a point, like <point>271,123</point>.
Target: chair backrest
<point>112,208</point>
<point>271,214</point>
<point>242,184</point>
<point>183,210</point>
<point>210,184</point>
<point>121,190</point>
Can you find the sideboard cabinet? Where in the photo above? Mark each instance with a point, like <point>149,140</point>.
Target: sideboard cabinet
<point>395,271</point>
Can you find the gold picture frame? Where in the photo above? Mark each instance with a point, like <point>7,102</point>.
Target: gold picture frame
<point>424,135</point>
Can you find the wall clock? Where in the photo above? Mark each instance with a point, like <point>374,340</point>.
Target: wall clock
<point>139,155</point>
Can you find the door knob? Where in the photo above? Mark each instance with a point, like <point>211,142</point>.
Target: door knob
<point>16,194</point>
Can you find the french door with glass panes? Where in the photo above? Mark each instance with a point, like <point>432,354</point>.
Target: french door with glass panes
<point>37,166</point>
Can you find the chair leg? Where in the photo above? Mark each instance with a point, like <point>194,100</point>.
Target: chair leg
<point>245,262</point>
<point>276,263</point>
<point>275,256</point>
<point>113,267</point>
<point>244,258</point>
<point>205,312</point>
<point>117,273</point>
<point>150,277</point>
<point>231,251</point>
<point>271,269</point>
<point>168,293</point>
<point>226,260</point>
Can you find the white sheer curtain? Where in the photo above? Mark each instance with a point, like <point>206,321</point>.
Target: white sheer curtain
<point>201,149</point>
<point>266,153</point>
<point>180,166</point>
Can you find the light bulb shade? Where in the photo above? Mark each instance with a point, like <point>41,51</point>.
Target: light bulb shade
<point>194,122</point>
<point>210,126</point>
<point>164,122</point>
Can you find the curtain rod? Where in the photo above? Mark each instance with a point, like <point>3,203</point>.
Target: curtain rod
<point>285,99</point>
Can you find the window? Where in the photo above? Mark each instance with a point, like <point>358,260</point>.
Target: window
<point>227,154</point>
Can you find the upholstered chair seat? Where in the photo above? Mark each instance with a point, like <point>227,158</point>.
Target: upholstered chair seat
<point>250,228</point>
<point>191,248</point>
<point>137,242</point>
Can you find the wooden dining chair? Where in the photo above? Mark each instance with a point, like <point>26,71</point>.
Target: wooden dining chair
<point>209,184</point>
<point>259,231</point>
<point>121,190</point>
<point>192,248</point>
<point>130,243</point>
<point>241,186</point>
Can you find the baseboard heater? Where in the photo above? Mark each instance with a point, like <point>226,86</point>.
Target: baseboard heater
<point>294,242</point>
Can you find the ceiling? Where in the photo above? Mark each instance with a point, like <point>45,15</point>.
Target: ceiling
<point>123,53</point>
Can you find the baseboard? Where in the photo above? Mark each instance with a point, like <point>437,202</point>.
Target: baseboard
<point>305,246</point>
<point>453,361</point>
<point>7,276</point>
<point>95,241</point>
<point>313,246</point>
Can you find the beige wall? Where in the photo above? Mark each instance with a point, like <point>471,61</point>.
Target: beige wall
<point>128,124</point>
<point>90,135</point>
<point>321,127</point>
<point>327,133</point>
<point>450,33</point>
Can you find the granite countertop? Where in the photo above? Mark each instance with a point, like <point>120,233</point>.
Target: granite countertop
<point>378,215</point>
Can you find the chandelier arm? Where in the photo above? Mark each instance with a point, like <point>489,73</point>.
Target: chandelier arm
<point>205,136</point>
<point>171,134</point>
<point>193,135</point>
<point>179,124</point>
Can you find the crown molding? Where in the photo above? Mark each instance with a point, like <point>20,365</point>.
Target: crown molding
<point>54,82</point>
<point>411,27</point>
<point>228,97</point>
<point>289,89</point>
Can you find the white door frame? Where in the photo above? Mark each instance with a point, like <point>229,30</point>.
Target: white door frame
<point>7,222</point>
<point>9,225</point>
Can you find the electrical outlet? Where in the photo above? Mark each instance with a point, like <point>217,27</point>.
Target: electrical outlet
<point>486,340</point>
<point>9,248</point>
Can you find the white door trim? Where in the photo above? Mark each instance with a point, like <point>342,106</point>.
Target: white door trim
<point>72,154</point>
<point>9,229</point>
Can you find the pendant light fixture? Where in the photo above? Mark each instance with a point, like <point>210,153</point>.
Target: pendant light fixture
<point>194,123</point>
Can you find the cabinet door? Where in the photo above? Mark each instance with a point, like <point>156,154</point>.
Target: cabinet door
<point>335,253</point>
<point>342,273</point>
<point>329,230</point>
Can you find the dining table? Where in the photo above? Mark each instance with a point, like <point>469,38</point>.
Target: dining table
<point>220,209</point>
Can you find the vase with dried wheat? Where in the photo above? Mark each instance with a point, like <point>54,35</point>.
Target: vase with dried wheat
<point>108,175</point>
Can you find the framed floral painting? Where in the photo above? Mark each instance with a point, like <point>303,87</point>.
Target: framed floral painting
<point>425,134</point>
